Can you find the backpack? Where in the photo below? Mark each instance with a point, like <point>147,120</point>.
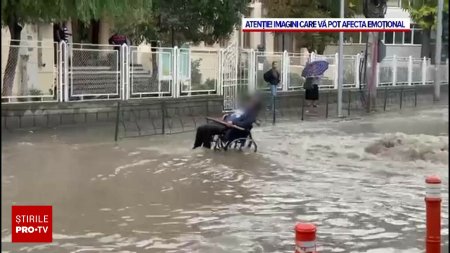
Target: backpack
<point>267,76</point>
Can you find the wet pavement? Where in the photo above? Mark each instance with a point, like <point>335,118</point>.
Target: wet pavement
<point>157,195</point>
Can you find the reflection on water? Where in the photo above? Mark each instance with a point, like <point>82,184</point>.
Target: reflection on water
<point>157,195</point>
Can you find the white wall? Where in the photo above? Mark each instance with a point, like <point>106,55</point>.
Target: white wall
<point>36,62</point>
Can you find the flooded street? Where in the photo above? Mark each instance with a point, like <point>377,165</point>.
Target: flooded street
<point>360,181</point>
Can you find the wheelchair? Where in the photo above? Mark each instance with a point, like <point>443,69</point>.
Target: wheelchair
<point>245,144</point>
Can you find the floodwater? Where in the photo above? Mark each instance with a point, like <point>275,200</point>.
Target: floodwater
<point>360,181</point>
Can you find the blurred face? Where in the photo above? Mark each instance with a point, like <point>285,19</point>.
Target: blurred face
<point>254,102</point>
<point>274,65</point>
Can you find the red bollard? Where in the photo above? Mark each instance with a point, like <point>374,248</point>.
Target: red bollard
<point>433,206</point>
<point>305,238</point>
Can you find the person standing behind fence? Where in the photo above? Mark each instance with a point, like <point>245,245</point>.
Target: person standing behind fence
<point>311,87</point>
<point>118,40</point>
<point>60,33</point>
<point>272,77</point>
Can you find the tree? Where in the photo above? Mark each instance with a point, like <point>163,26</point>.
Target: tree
<point>423,13</point>
<point>17,13</point>
<point>311,9</point>
<point>173,22</point>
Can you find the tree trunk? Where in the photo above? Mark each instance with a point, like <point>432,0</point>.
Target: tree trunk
<point>426,47</point>
<point>10,70</point>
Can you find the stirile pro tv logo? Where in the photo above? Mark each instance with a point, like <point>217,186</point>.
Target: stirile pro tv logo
<point>31,224</point>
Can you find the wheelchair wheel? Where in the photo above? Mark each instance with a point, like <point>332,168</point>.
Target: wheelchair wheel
<point>242,144</point>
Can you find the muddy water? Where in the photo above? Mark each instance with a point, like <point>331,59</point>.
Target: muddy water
<point>157,195</point>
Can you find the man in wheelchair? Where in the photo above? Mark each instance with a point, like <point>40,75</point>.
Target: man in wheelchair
<point>226,131</point>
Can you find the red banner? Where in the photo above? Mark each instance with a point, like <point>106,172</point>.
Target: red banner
<point>31,224</point>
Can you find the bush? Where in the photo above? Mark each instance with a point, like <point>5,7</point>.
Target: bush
<point>35,92</point>
<point>31,92</point>
<point>209,84</point>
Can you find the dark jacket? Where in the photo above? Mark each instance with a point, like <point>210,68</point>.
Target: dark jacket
<point>271,78</point>
<point>246,121</point>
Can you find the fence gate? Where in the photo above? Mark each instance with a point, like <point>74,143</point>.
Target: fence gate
<point>229,76</point>
<point>93,72</point>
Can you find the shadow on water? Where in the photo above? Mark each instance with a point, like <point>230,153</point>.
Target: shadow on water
<point>157,195</point>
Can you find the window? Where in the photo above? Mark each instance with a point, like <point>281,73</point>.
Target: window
<point>408,38</point>
<point>398,38</point>
<point>364,36</point>
<point>388,38</point>
<point>417,33</point>
<point>277,42</point>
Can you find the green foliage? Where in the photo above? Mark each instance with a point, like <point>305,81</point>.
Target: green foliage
<point>195,20</point>
<point>28,11</point>
<point>423,12</point>
<point>35,92</point>
<point>311,9</point>
<point>179,21</point>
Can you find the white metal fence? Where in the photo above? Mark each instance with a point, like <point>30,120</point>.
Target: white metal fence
<point>43,71</point>
<point>150,71</point>
<point>29,71</point>
<point>93,72</point>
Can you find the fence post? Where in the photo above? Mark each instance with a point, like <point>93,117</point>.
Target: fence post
<point>433,214</point>
<point>116,135</point>
<point>357,63</point>
<point>377,76</point>
<point>60,72</point>
<point>163,118</point>
<point>446,63</point>
<point>394,70</point>
<point>401,97</point>
<point>285,70</point>
<point>67,50</point>
<point>251,72</point>
<point>175,88</point>
<point>220,86</point>
<point>123,71</point>
<point>410,70</point>
<point>336,72</point>
<point>424,70</point>
<point>128,76</point>
<point>305,238</point>
<point>415,95</point>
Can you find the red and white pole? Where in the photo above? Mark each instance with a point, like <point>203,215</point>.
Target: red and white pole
<point>433,206</point>
<point>305,238</point>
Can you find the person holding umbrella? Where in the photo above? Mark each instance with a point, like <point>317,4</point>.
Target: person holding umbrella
<point>313,73</point>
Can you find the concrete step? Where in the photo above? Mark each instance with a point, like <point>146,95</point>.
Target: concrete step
<point>92,68</point>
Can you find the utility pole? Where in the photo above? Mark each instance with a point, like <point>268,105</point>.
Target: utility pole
<point>372,9</point>
<point>437,55</point>
<point>341,64</point>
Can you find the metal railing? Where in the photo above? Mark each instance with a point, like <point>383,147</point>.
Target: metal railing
<point>29,72</point>
<point>43,71</point>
